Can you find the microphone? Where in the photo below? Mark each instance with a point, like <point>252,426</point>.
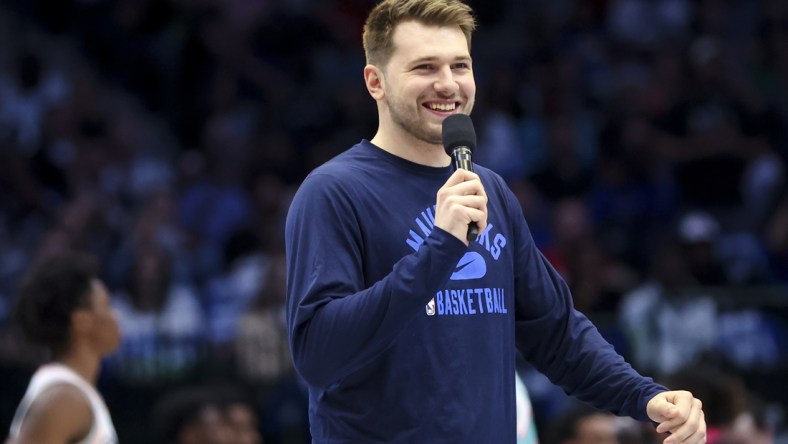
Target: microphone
<point>459,141</point>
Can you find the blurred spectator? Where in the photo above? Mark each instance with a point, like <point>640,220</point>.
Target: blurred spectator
<point>751,338</point>
<point>631,198</point>
<point>597,280</point>
<point>79,224</point>
<point>261,340</point>
<point>717,142</point>
<point>698,232</point>
<point>162,321</point>
<point>231,293</point>
<point>139,162</point>
<point>582,424</point>
<point>216,203</point>
<point>646,23</point>
<point>757,425</point>
<point>270,200</point>
<point>565,175</point>
<point>667,324</point>
<point>724,396</point>
<point>242,420</point>
<point>733,415</point>
<point>64,306</point>
<point>717,258</point>
<point>191,416</point>
<point>27,92</point>
<point>500,147</point>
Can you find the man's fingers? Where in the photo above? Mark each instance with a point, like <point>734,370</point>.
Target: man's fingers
<point>460,176</point>
<point>475,207</point>
<point>468,200</point>
<point>660,410</point>
<point>469,187</point>
<point>665,406</point>
<point>680,414</point>
<point>688,426</point>
<point>461,200</point>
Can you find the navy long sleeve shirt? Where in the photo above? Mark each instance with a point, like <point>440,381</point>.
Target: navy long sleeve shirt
<point>405,335</point>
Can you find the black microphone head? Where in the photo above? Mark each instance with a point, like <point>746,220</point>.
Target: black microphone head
<point>458,131</point>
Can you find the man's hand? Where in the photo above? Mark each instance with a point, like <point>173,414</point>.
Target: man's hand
<point>680,414</point>
<point>461,200</point>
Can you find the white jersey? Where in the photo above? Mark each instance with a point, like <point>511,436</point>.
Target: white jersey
<point>102,431</point>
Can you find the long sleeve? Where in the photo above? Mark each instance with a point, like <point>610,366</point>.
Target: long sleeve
<point>564,345</point>
<point>337,321</point>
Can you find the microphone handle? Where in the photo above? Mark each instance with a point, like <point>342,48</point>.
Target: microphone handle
<point>473,231</point>
<point>462,159</point>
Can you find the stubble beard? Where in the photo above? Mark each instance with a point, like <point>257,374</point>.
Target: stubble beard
<point>412,124</point>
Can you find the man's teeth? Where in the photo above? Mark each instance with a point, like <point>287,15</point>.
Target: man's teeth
<point>443,106</point>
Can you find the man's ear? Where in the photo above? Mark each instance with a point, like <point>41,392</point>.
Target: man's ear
<point>81,320</point>
<point>373,78</point>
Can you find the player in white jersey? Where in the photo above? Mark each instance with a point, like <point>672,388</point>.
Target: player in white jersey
<point>63,305</point>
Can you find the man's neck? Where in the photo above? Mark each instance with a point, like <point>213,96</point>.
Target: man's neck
<point>86,364</point>
<point>410,148</point>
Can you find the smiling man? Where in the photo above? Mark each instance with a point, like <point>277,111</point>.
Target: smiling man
<point>404,331</point>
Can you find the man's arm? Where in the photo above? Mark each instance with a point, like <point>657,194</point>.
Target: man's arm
<point>336,322</point>
<point>561,342</point>
<point>564,345</point>
<point>60,415</point>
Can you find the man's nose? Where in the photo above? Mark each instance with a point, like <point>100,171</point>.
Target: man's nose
<point>445,83</point>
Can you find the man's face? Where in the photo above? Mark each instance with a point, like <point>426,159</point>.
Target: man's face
<point>428,77</point>
<point>105,321</point>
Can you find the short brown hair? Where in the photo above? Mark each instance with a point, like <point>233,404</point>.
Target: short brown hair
<point>386,15</point>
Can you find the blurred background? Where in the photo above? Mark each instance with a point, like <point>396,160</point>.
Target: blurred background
<point>647,141</point>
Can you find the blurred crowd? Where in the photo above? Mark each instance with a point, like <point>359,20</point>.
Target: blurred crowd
<point>647,141</point>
